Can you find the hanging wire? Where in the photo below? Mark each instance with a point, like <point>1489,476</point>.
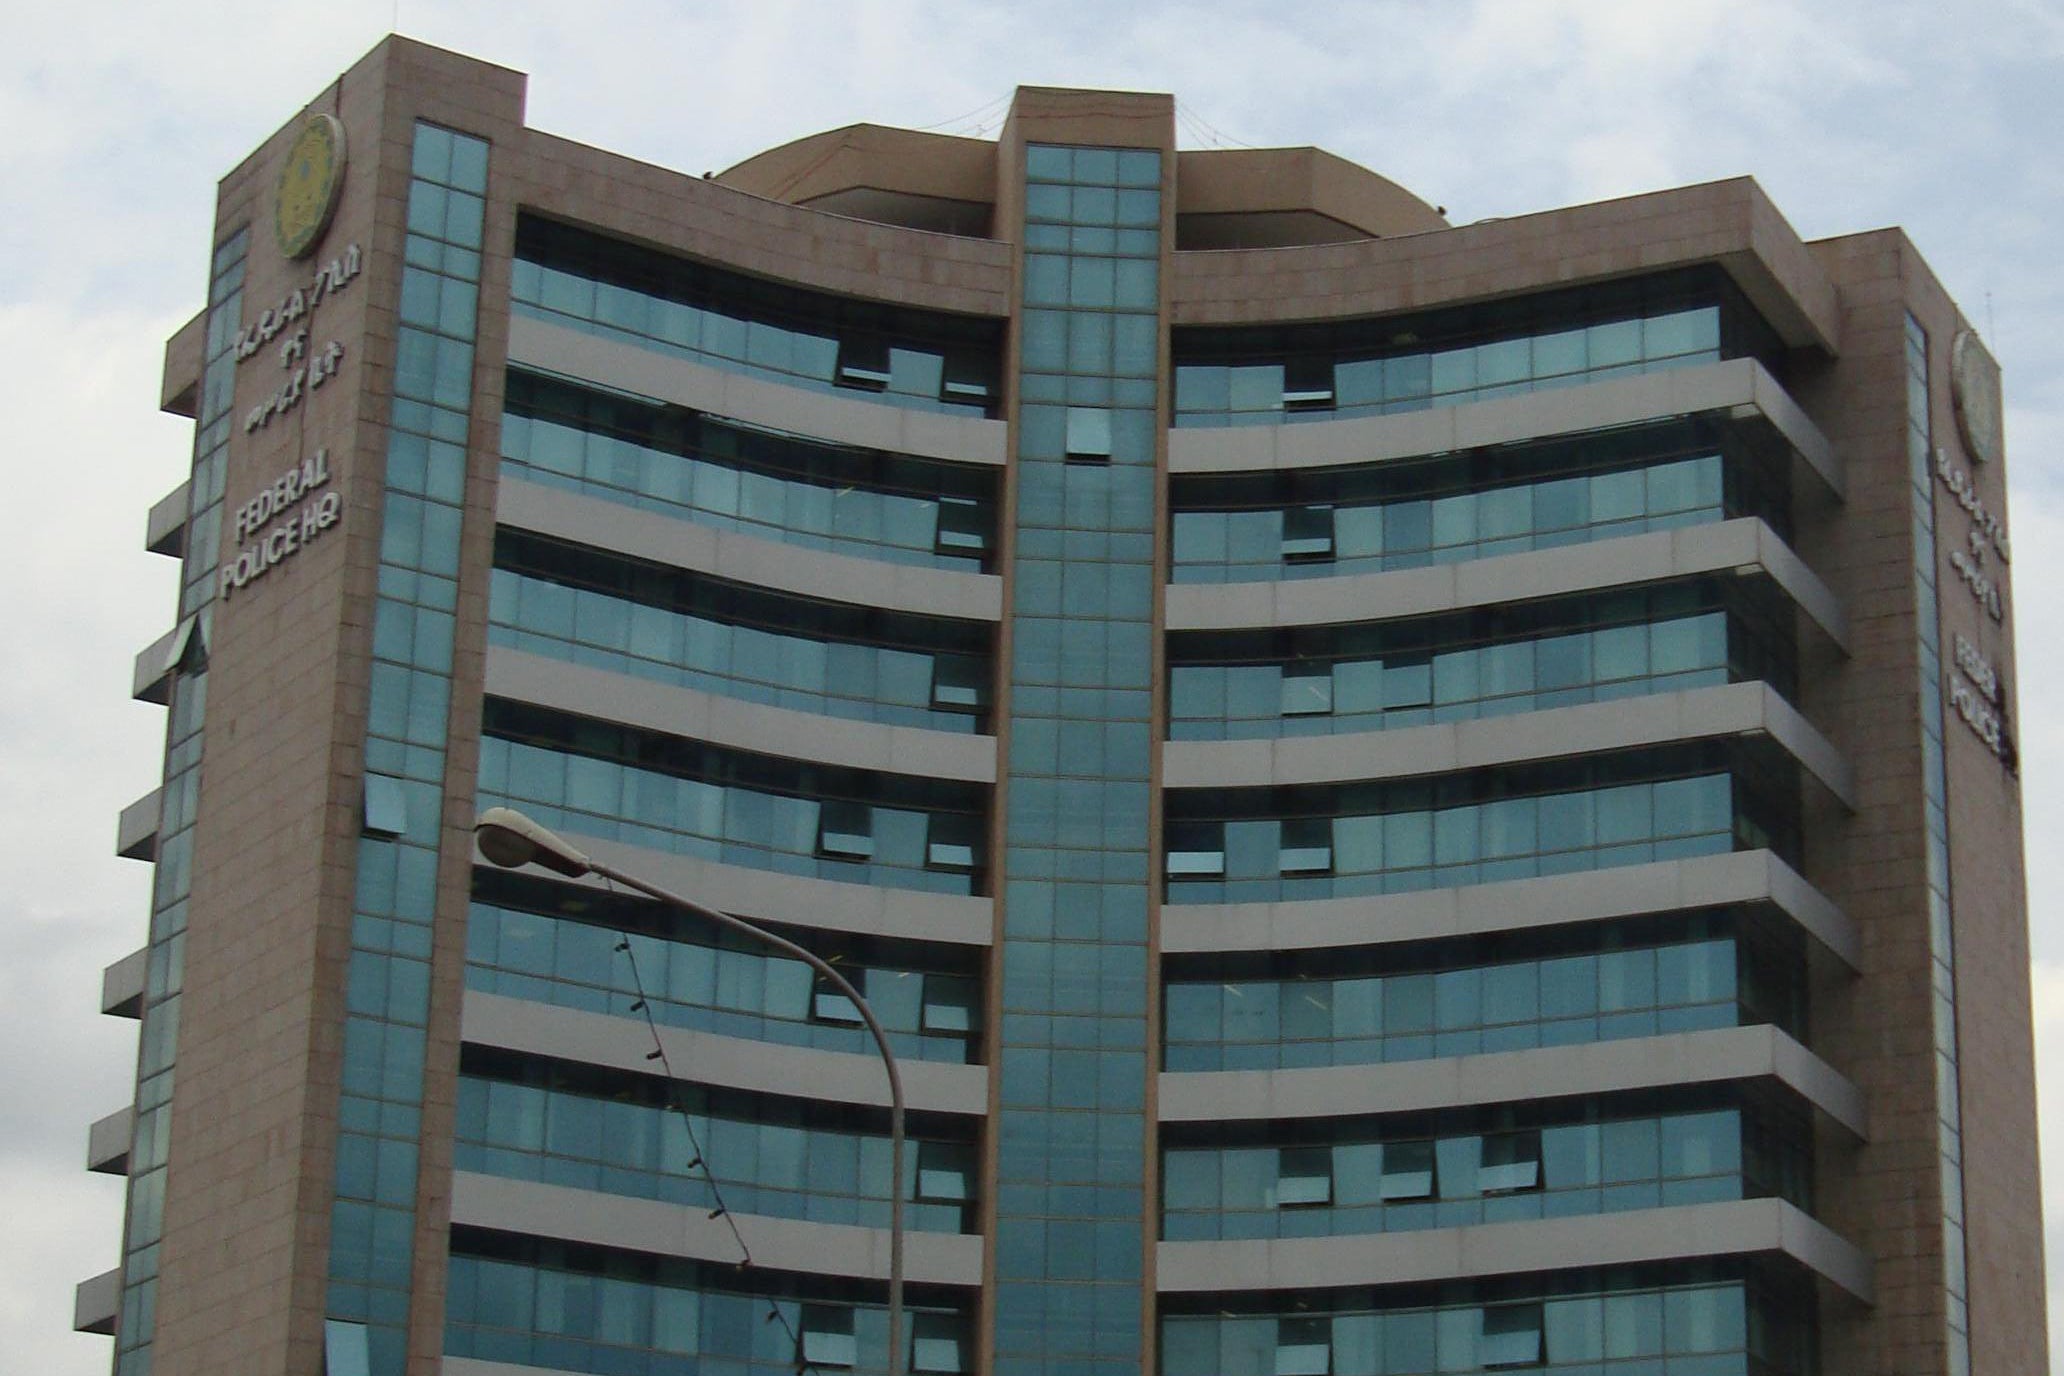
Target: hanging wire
<point>1190,126</point>
<point>986,110</point>
<point>1211,133</point>
<point>642,1004</point>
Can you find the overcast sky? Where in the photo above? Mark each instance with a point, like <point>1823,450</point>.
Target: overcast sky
<point>119,118</point>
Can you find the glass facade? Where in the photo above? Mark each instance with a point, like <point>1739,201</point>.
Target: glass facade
<point>729,476</point>
<point>799,338</point>
<point>540,943</point>
<point>380,1116</point>
<point>1596,1326</point>
<point>1071,1126</point>
<point>676,627</point>
<point>1935,792</point>
<point>1045,1036</point>
<point>1450,508</point>
<point>1272,376</point>
<point>1321,388</point>
<point>172,880</point>
<point>1258,845</point>
<point>1495,662</point>
<point>1405,1180</point>
<point>590,1130</point>
<point>569,1308</point>
<point>1686,973</point>
<point>677,795</point>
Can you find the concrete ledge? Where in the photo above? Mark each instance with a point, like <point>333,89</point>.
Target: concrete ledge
<point>1687,1232</point>
<point>625,1043</point>
<point>842,420</point>
<point>107,1142</point>
<point>136,830</point>
<point>96,1301</point>
<point>1707,881</point>
<point>179,385</point>
<point>1741,546</point>
<point>1733,709</point>
<point>674,1230</point>
<point>1730,223</point>
<point>653,706</point>
<point>150,675</point>
<point>661,539</point>
<point>122,984</point>
<point>150,678</point>
<point>1740,386</point>
<point>164,532</point>
<point>1677,1058</point>
<point>799,900</point>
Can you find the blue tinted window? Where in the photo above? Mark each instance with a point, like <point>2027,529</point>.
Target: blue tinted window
<point>545,1304</point>
<point>1702,974</point>
<point>1713,1325</point>
<point>802,338</point>
<point>619,1137</point>
<point>1461,355</point>
<point>676,795</point>
<point>1344,679</point>
<point>764,483</point>
<point>677,627</point>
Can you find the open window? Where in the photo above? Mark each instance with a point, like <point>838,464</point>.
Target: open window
<point>1307,690</point>
<point>950,843</point>
<point>1089,434</point>
<point>1511,1336</point>
<point>827,1336</point>
<point>1308,384</point>
<point>942,1176</point>
<point>1304,1347</point>
<point>1511,1163</point>
<point>845,831</point>
<point>960,683</point>
<point>965,380</point>
<point>935,1344</point>
<point>1307,845</point>
<point>1304,1177</point>
<point>345,1350</point>
<point>863,364</point>
<point>963,527</point>
<point>1407,1172</point>
<point>949,1005</point>
<point>1196,850</point>
<point>1307,534</point>
<point>828,1002</point>
<point>386,807</point>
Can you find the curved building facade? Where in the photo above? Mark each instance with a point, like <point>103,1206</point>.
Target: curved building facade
<point>1411,798</point>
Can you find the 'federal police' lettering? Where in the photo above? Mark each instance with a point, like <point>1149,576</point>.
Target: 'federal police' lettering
<point>270,529</point>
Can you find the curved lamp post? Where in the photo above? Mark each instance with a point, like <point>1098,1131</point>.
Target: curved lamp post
<point>511,840</point>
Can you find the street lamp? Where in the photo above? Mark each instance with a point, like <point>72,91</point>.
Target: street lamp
<point>511,840</point>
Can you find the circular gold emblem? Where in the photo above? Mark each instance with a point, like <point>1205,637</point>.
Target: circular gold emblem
<point>306,196</point>
<point>1974,388</point>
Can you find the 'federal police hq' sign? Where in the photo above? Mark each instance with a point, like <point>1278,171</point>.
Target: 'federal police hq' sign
<point>286,517</point>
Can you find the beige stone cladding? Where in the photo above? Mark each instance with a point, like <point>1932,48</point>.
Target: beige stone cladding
<point>1731,223</point>
<point>1879,1029</point>
<point>244,1264</point>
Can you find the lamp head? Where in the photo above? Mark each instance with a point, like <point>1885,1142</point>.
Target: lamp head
<point>511,840</point>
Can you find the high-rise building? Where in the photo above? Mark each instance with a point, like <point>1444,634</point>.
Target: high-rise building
<point>1413,798</point>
